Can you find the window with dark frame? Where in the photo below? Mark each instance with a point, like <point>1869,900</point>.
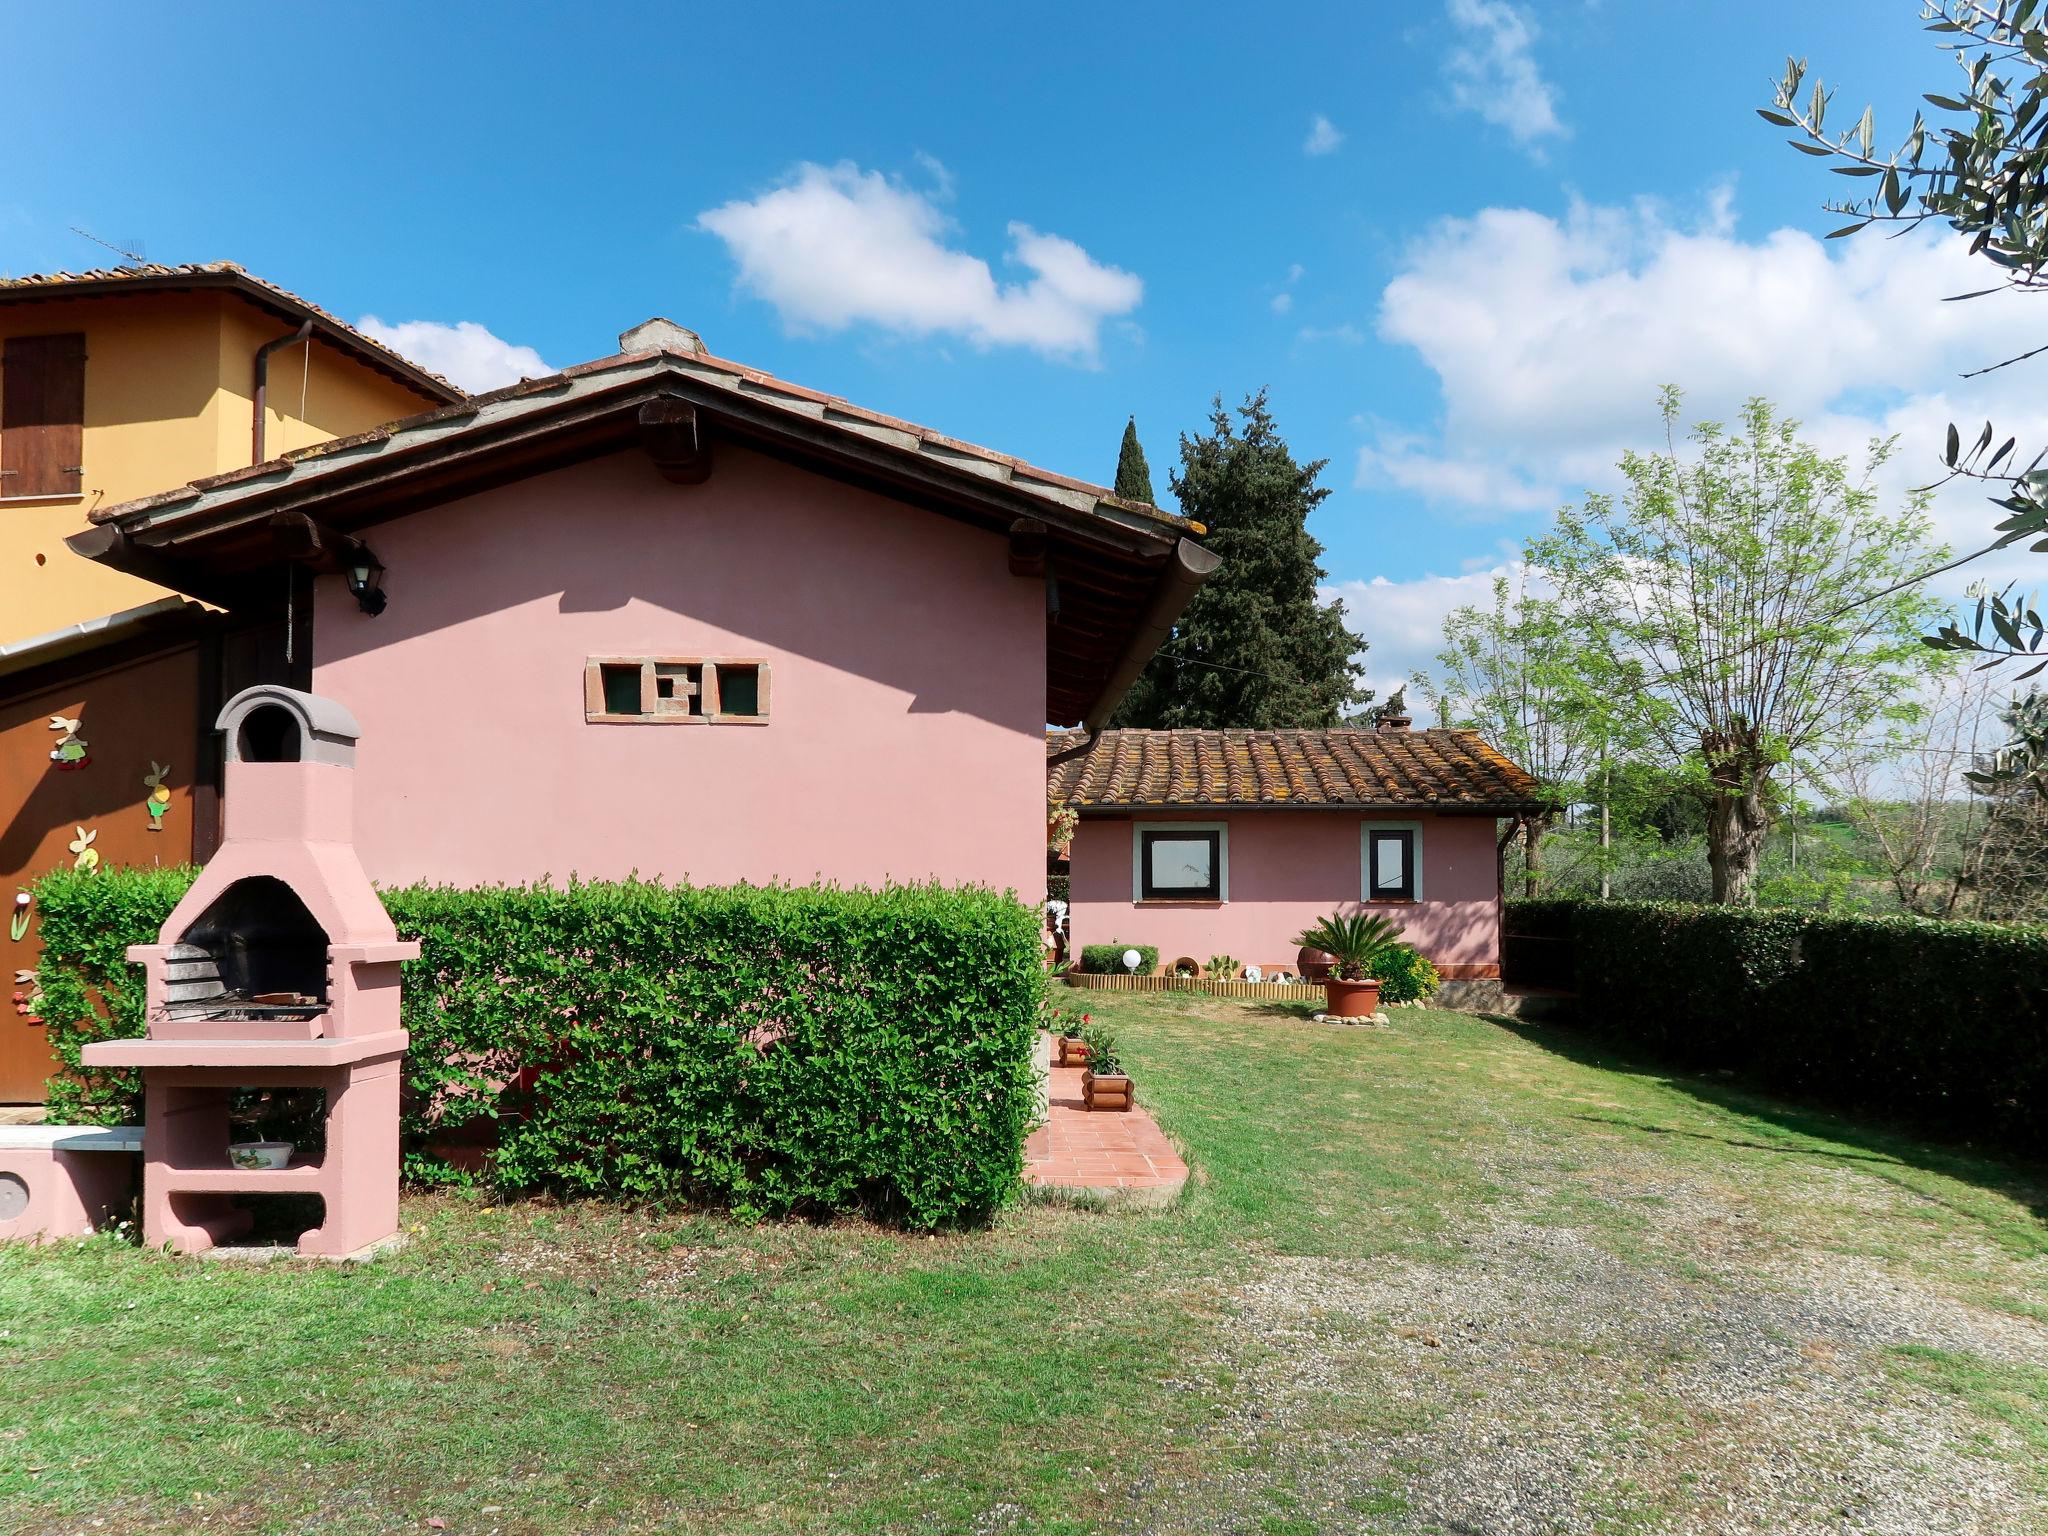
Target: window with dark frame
<point>1180,866</point>
<point>1390,865</point>
<point>42,416</point>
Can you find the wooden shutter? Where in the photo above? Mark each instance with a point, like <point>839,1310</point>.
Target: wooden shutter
<point>42,415</point>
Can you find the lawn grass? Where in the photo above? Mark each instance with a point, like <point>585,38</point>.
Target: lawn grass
<point>534,1368</point>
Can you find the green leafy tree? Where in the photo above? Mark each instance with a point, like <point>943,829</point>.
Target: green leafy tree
<point>1985,174</point>
<point>2012,872</point>
<point>1740,603</point>
<point>1133,474</point>
<point>1513,672</point>
<point>1255,649</point>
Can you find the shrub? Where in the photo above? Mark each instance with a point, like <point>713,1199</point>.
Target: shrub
<point>89,990</point>
<point>1405,976</point>
<point>1942,1022</point>
<point>770,1049</point>
<point>1104,1060</point>
<point>1108,959</point>
<point>1063,1023</point>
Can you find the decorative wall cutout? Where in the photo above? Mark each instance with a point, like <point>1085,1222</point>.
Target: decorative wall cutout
<point>88,858</point>
<point>69,753</point>
<point>159,799</point>
<point>17,920</point>
<point>28,997</point>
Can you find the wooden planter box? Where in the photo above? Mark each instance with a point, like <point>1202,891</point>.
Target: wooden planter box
<point>1113,1092</point>
<point>1069,1053</point>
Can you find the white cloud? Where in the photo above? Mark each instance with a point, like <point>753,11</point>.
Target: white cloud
<point>837,246</point>
<point>1493,71</point>
<point>1408,463</point>
<point>1282,301</point>
<point>1323,136</point>
<point>464,353</point>
<point>1551,336</point>
<point>1347,334</point>
<point>1403,621</point>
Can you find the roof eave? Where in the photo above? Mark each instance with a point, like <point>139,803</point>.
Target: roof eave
<point>392,365</point>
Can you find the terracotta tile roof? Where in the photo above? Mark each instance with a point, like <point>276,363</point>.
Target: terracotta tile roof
<point>734,378</point>
<point>1211,770</point>
<point>155,276</point>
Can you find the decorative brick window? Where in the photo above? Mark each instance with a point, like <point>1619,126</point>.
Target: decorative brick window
<point>675,690</point>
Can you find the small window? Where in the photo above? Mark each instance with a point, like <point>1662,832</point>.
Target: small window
<point>674,690</point>
<point>739,690</point>
<point>1390,864</point>
<point>621,690</point>
<point>1179,865</point>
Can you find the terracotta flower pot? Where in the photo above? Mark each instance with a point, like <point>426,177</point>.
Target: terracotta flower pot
<point>1111,1091</point>
<point>1351,999</point>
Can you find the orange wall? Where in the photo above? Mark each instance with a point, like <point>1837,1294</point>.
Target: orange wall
<point>128,717</point>
<point>167,399</point>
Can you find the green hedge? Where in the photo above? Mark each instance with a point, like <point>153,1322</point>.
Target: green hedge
<point>1108,959</point>
<point>1943,1022</point>
<point>769,1049</point>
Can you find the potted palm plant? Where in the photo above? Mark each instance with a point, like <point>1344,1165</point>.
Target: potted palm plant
<point>1356,945</point>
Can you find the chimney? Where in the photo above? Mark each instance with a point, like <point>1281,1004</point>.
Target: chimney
<point>659,335</point>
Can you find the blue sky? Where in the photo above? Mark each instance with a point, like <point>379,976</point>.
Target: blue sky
<point>1460,241</point>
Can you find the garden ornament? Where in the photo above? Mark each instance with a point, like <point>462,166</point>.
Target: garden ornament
<point>1131,959</point>
<point>1253,973</point>
<point>70,749</point>
<point>159,799</point>
<point>88,858</point>
<point>17,920</point>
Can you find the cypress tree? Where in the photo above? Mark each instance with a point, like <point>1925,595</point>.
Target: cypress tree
<point>1133,474</point>
<point>1254,649</point>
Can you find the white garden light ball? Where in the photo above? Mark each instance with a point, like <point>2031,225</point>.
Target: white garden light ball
<point>1131,959</point>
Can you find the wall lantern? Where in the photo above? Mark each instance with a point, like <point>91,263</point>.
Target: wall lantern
<point>366,579</point>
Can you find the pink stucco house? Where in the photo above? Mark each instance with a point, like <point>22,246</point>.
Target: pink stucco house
<point>1232,842</point>
<point>667,614</point>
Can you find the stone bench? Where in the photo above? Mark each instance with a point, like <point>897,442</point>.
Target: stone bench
<point>64,1180</point>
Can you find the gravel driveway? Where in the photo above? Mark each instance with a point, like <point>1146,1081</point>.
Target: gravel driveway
<point>1722,1370</point>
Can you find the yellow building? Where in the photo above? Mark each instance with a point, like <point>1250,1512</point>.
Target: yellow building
<point>116,384</point>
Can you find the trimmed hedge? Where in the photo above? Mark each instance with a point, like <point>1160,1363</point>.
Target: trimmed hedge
<point>770,1049</point>
<point>1108,959</point>
<point>1941,1022</point>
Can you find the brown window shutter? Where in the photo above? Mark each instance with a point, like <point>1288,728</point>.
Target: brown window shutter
<point>42,415</point>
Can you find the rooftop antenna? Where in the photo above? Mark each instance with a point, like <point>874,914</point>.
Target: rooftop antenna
<point>131,254</point>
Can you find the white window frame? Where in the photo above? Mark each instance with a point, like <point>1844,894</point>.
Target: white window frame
<point>1365,832</point>
<point>1138,831</point>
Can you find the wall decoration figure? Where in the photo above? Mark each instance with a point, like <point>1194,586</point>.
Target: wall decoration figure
<point>27,996</point>
<point>88,858</point>
<point>159,799</point>
<point>69,752</point>
<point>17,920</point>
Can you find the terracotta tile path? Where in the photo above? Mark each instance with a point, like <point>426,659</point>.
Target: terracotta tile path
<point>1110,1153</point>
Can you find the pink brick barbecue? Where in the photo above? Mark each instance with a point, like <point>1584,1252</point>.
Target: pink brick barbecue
<point>64,1180</point>
<point>279,969</point>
